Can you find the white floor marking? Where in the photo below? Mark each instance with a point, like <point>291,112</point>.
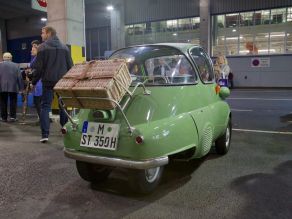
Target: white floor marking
<point>261,91</point>
<point>242,110</point>
<point>28,114</point>
<point>262,131</point>
<point>255,98</point>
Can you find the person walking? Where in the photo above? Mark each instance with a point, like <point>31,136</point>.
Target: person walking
<point>37,91</point>
<point>53,60</point>
<point>10,84</point>
<point>230,80</point>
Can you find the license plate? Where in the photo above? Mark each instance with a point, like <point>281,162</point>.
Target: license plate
<point>100,135</point>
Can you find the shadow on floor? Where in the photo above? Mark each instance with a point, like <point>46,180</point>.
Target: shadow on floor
<point>114,198</point>
<point>267,195</point>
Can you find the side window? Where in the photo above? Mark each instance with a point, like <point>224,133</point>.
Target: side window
<point>204,65</point>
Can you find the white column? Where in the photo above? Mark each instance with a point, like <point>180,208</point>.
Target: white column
<point>67,17</point>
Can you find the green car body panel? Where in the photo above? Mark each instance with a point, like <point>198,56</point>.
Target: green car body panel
<point>171,119</point>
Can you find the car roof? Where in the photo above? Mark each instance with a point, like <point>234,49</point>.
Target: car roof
<point>183,47</point>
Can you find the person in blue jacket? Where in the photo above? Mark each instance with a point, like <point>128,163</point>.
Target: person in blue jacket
<point>37,90</point>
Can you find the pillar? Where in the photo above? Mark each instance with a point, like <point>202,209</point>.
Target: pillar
<point>3,45</point>
<point>67,17</point>
<point>205,25</point>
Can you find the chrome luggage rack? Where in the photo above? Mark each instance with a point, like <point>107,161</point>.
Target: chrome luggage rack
<point>121,108</point>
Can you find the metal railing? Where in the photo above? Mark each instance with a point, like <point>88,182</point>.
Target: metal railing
<point>121,108</point>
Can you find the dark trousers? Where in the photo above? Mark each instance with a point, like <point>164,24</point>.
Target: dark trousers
<point>230,83</point>
<point>4,102</point>
<point>46,103</point>
<point>37,104</point>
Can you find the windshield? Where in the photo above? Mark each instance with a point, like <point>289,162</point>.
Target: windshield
<point>157,65</point>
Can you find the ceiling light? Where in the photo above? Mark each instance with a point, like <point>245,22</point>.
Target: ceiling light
<point>110,8</point>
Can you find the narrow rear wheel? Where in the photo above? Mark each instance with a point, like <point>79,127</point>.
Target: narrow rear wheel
<point>222,144</point>
<point>92,172</point>
<point>145,181</point>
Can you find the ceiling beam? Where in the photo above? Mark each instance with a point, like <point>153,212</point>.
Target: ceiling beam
<point>17,8</point>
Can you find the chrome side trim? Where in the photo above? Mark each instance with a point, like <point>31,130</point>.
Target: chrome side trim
<point>116,162</point>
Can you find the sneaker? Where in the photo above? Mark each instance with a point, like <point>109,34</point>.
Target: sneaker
<point>44,140</point>
<point>12,120</point>
<point>3,120</point>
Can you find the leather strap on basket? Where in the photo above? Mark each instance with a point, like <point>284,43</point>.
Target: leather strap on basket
<point>80,77</point>
<point>89,65</point>
<point>73,93</point>
<point>84,73</point>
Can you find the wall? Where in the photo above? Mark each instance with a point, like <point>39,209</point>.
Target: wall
<point>20,48</point>
<point>279,73</point>
<point>151,10</point>
<point>98,36</point>
<point>229,6</point>
<point>3,44</point>
<point>141,11</point>
<point>98,40</point>
<point>20,33</point>
<point>24,27</point>
<point>96,16</point>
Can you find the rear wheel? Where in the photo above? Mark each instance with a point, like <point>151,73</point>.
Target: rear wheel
<point>145,181</point>
<point>222,144</point>
<point>92,172</point>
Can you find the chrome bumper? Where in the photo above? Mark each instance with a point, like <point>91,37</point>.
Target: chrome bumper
<point>116,162</point>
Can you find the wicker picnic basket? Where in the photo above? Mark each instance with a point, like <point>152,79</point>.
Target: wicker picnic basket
<point>91,85</point>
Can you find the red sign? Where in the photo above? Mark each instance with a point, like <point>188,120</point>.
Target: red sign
<point>42,3</point>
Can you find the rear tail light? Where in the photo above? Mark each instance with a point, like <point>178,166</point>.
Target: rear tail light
<point>64,131</point>
<point>139,139</point>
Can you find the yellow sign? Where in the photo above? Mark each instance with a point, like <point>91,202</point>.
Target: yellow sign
<point>76,53</point>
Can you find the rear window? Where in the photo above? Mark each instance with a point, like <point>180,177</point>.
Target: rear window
<point>157,65</point>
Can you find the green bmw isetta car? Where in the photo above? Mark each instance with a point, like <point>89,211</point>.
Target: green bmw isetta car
<point>176,111</point>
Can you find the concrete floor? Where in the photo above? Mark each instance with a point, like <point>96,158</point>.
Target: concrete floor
<point>252,181</point>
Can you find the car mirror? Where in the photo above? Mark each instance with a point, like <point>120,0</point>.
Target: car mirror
<point>224,92</point>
